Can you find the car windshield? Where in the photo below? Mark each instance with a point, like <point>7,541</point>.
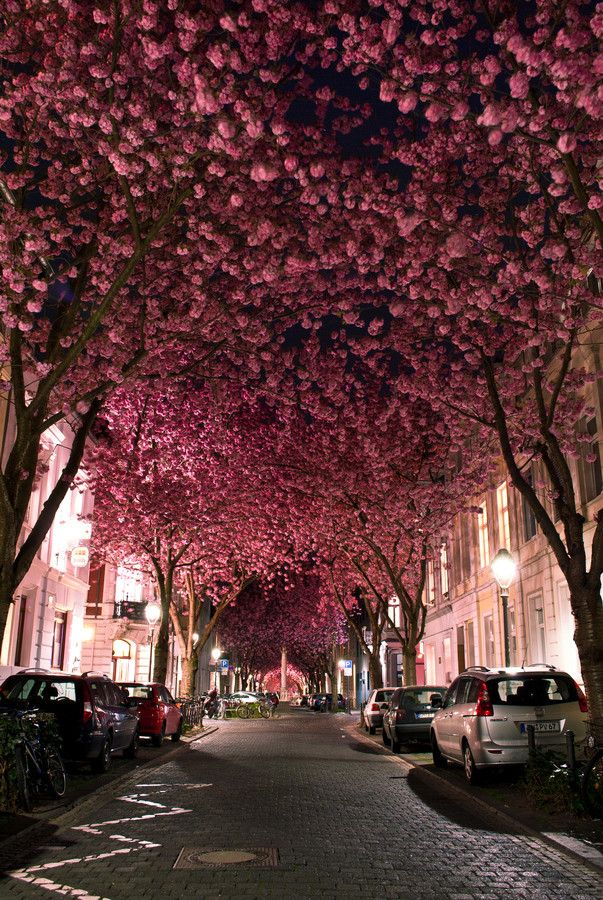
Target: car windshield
<point>421,696</point>
<point>138,691</point>
<point>532,690</point>
<point>44,691</point>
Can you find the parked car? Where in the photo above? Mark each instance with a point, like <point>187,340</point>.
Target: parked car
<point>409,714</point>
<point>485,713</point>
<point>322,701</point>
<point>94,716</point>
<point>158,713</point>
<point>300,700</point>
<point>247,696</point>
<point>375,706</point>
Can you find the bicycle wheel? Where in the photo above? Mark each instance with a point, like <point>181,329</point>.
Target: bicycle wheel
<point>56,779</point>
<point>592,785</point>
<point>23,786</point>
<point>243,711</point>
<point>264,711</point>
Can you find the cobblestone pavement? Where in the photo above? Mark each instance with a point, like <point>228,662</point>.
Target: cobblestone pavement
<point>313,811</point>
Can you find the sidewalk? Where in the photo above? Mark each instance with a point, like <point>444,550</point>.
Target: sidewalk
<point>504,795</point>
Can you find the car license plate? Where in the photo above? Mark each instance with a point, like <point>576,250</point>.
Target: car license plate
<point>540,727</point>
<point>424,716</point>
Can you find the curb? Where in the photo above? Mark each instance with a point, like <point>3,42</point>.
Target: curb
<point>565,844</point>
<point>89,800</point>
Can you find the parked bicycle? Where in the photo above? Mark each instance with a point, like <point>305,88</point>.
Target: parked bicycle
<point>592,776</point>
<point>262,708</point>
<point>39,767</point>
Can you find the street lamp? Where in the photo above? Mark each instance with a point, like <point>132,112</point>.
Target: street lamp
<point>504,570</point>
<point>152,613</point>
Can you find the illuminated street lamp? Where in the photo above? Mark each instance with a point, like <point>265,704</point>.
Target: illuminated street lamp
<point>152,613</point>
<point>504,570</point>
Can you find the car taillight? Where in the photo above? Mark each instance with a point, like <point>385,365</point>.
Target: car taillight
<point>483,707</point>
<point>374,707</point>
<point>581,698</point>
<point>87,713</point>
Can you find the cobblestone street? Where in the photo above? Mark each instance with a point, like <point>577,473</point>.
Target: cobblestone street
<point>311,810</point>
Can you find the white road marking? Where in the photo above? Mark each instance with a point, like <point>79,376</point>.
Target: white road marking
<point>29,875</point>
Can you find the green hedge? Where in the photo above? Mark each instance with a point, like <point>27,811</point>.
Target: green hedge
<point>10,732</point>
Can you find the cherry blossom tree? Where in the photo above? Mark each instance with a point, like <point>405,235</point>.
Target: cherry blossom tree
<point>175,491</point>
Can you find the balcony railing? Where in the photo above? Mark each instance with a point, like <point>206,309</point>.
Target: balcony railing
<point>129,609</point>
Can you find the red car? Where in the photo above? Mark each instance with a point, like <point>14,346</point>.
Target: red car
<point>158,713</point>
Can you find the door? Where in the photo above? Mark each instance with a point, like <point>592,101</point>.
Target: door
<point>121,715</point>
<point>170,710</point>
<point>443,720</point>
<point>458,716</point>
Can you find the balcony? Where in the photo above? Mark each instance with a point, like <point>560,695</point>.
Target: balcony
<point>129,609</point>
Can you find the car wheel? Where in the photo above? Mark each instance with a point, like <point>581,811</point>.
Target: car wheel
<point>438,760</point>
<point>132,750</point>
<point>471,772</point>
<point>102,762</point>
<point>178,733</point>
<point>372,729</point>
<point>394,743</point>
<point>157,739</point>
<point>384,736</point>
<point>365,725</point>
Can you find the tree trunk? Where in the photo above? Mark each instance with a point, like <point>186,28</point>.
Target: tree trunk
<point>588,635</point>
<point>334,691</point>
<point>189,670</point>
<point>162,647</point>
<point>410,664</point>
<point>375,671</point>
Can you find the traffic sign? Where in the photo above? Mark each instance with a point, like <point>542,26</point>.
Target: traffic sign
<point>224,666</point>
<point>348,667</point>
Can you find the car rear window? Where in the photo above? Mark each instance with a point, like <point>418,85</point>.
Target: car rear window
<point>421,696</point>
<point>45,691</point>
<point>139,691</point>
<point>380,696</point>
<point>532,690</point>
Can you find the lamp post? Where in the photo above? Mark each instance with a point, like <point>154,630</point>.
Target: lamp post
<point>504,569</point>
<point>152,613</point>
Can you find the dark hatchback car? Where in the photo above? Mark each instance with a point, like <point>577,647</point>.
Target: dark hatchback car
<point>410,713</point>
<point>94,716</point>
<point>325,701</point>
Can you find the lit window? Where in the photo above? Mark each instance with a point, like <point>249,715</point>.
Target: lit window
<point>444,570</point>
<point>502,504</point>
<point>484,544</point>
<point>489,640</point>
<point>393,609</point>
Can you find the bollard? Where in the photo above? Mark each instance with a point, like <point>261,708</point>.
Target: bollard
<point>571,750</point>
<point>531,730</point>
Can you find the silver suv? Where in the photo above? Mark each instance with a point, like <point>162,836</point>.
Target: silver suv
<point>485,713</point>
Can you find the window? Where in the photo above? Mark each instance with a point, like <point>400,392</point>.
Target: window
<point>529,519</point>
<point>19,654</point>
<point>489,645</point>
<point>460,647</point>
<point>591,463</point>
<point>502,506</point>
<point>450,694</point>
<point>462,694</point>
<point>533,690</point>
<point>482,527</point>
<point>128,585</point>
<point>393,610</point>
<point>444,570</point>
<point>430,585</point>
<point>469,644</point>
<point>58,639</point>
<point>512,634</point>
<point>94,601</point>
<point>466,546</point>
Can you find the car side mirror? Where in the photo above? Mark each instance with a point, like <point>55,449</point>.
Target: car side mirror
<point>436,701</point>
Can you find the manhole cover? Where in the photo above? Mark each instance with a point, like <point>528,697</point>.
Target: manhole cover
<point>203,857</point>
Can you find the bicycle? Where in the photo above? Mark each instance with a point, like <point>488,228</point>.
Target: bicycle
<point>592,776</point>
<point>38,766</point>
<point>252,710</point>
